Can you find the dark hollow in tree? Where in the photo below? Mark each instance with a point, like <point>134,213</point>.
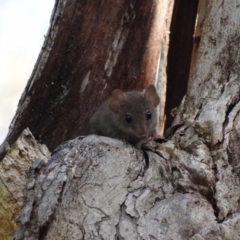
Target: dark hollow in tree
<point>179,55</point>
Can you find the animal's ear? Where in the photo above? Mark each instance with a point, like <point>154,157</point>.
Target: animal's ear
<point>117,101</point>
<point>151,95</point>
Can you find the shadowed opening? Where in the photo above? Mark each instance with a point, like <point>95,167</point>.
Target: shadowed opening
<point>179,55</point>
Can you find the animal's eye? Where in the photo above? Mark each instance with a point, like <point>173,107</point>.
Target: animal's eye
<point>148,115</point>
<point>128,118</point>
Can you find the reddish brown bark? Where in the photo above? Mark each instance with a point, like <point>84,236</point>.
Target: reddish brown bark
<point>91,48</point>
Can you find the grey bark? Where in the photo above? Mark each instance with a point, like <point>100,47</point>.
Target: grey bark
<point>13,176</point>
<point>91,48</point>
<point>184,188</point>
<point>102,188</point>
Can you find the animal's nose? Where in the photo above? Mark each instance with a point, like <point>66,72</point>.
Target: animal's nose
<point>143,136</point>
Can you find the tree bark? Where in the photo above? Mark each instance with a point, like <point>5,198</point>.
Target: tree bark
<point>91,48</point>
<point>186,187</point>
<point>212,105</point>
<point>13,178</point>
<point>101,188</point>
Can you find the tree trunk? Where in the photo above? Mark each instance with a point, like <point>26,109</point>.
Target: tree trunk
<point>186,187</point>
<point>91,48</point>
<point>13,177</point>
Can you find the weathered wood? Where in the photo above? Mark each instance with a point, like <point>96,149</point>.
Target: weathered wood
<point>91,48</point>
<point>185,188</point>
<point>100,188</point>
<point>212,104</point>
<point>13,178</point>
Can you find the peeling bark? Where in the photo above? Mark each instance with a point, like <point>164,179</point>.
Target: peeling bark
<point>186,187</point>
<point>97,187</point>
<point>101,188</point>
<point>13,178</point>
<point>91,48</point>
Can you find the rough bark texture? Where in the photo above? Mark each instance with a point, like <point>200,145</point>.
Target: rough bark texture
<point>13,178</point>
<point>184,188</point>
<point>212,109</point>
<point>91,48</point>
<point>101,188</point>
